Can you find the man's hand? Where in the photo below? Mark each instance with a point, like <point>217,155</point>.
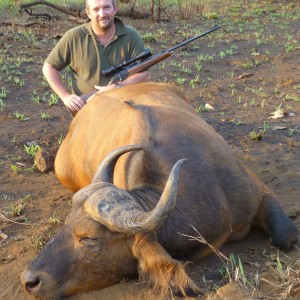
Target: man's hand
<point>102,89</point>
<point>73,102</point>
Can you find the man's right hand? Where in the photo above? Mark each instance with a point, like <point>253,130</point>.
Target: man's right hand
<point>73,102</point>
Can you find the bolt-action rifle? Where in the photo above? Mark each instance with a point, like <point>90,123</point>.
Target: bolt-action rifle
<point>145,60</point>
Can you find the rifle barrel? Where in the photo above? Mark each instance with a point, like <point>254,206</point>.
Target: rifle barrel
<point>215,27</point>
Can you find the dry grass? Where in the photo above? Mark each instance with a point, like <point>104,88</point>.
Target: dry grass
<point>281,281</point>
<point>189,8</point>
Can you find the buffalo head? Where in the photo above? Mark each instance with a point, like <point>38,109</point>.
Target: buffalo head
<point>106,236</point>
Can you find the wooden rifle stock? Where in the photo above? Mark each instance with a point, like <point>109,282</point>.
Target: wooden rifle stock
<point>148,63</point>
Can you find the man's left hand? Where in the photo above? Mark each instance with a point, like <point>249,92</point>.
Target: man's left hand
<point>102,89</point>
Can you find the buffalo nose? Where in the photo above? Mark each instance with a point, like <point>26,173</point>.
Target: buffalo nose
<point>31,281</point>
<point>32,285</point>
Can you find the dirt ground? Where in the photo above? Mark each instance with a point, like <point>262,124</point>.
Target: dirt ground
<point>246,71</point>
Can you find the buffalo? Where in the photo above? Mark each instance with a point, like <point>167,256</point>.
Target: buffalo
<point>146,167</point>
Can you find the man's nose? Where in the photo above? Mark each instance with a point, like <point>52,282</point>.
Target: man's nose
<point>101,12</point>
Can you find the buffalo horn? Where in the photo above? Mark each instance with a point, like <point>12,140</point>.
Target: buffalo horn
<point>118,210</point>
<point>105,171</point>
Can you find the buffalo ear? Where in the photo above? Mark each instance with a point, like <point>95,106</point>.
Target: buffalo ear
<point>105,172</point>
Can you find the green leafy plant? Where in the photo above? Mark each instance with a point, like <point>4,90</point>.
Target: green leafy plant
<point>265,126</point>
<point>203,108</point>
<point>21,117</point>
<point>148,38</point>
<point>53,219</point>
<point>18,81</point>
<point>212,15</point>
<point>239,99</point>
<point>18,62</point>
<point>289,47</point>
<point>32,150</point>
<point>198,66</point>
<point>180,81</point>
<point>35,97</point>
<point>15,210</point>
<point>194,81</point>
<point>253,135</point>
<point>60,139</point>
<point>15,168</point>
<point>3,93</point>
<point>38,242</point>
<point>2,105</point>
<point>44,115</point>
<point>248,64</point>
<point>53,99</point>
<point>184,69</point>
<point>294,131</point>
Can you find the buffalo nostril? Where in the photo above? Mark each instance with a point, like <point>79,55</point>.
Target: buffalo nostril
<point>32,285</point>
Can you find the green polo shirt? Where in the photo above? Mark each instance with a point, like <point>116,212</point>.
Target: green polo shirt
<point>87,57</point>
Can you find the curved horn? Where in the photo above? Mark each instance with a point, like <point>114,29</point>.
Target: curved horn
<point>105,171</point>
<point>118,210</point>
<point>167,200</point>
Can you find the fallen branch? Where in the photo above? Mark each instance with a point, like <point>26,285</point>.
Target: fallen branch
<point>12,221</point>
<point>78,14</point>
<point>9,23</point>
<point>44,15</point>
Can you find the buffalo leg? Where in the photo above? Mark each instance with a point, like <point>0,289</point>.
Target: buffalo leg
<point>276,223</point>
<point>159,268</point>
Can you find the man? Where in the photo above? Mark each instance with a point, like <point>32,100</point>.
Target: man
<point>90,48</point>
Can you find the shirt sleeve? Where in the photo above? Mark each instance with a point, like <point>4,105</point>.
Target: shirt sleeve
<point>60,56</point>
<point>137,44</point>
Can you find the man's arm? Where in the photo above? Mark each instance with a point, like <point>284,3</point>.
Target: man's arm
<point>72,101</point>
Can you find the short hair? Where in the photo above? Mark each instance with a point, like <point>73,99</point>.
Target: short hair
<point>114,3</point>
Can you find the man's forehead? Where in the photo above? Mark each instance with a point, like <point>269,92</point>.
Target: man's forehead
<point>92,3</point>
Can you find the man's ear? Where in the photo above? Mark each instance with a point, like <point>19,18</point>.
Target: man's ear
<point>87,12</point>
<point>116,7</point>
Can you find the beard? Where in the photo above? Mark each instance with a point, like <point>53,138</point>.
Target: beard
<point>104,23</point>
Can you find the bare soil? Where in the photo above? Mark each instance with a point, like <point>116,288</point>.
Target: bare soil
<point>252,73</point>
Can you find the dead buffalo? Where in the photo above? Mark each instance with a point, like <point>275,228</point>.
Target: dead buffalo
<point>123,154</point>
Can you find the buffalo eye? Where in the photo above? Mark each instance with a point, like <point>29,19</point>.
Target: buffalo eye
<point>94,244</point>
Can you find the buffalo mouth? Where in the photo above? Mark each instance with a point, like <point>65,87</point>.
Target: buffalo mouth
<point>39,284</point>
<point>42,286</point>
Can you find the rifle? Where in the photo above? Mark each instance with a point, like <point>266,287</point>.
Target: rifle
<point>145,60</point>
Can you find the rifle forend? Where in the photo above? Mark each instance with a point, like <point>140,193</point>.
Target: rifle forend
<point>114,69</point>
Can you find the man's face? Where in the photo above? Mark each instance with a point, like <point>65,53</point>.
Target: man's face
<point>101,13</point>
